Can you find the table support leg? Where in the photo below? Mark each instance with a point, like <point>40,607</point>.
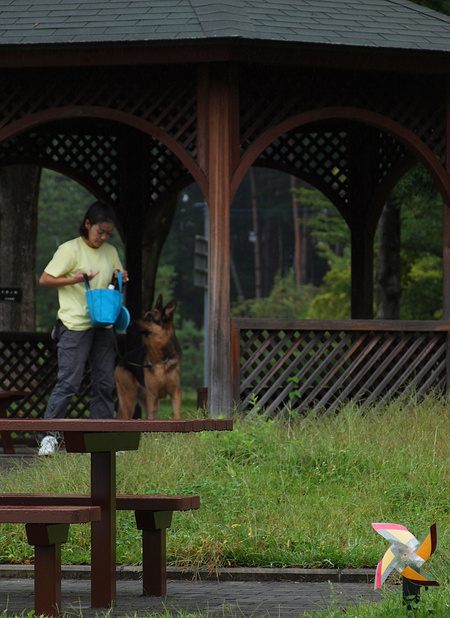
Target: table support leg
<point>154,570</point>
<point>103,556</point>
<point>47,539</point>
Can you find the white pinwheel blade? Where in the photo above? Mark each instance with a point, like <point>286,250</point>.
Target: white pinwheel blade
<point>394,533</point>
<point>388,563</point>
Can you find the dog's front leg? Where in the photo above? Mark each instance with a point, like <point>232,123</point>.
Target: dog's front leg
<point>152,407</point>
<point>176,404</point>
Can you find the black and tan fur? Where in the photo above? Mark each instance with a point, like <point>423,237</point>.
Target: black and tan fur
<point>151,372</point>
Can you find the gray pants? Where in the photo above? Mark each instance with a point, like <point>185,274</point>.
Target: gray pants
<point>74,349</point>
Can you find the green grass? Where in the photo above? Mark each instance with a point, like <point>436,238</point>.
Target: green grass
<point>298,494</point>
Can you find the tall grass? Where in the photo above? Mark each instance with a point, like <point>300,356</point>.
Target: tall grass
<point>288,494</point>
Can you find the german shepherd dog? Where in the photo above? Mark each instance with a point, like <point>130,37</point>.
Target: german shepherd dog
<point>147,374</point>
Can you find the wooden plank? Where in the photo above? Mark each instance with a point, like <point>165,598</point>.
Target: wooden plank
<point>341,325</point>
<point>114,425</point>
<point>124,502</point>
<point>48,514</point>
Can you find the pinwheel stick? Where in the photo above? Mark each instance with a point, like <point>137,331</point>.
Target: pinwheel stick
<point>411,593</point>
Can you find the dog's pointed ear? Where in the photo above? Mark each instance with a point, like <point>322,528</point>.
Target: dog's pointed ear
<point>170,308</point>
<point>159,303</point>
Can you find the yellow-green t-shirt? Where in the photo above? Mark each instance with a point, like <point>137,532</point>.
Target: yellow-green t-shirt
<point>76,256</point>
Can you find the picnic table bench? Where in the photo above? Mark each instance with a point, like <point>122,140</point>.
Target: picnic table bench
<point>47,527</point>
<point>153,514</point>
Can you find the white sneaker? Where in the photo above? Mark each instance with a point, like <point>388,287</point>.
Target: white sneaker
<point>48,446</point>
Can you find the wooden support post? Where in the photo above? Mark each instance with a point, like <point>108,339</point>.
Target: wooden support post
<point>47,540</point>
<point>446,237</point>
<point>154,570</point>
<point>362,273</point>
<point>222,110</point>
<point>103,554</point>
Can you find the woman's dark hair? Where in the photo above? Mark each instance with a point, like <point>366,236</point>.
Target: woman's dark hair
<point>98,212</point>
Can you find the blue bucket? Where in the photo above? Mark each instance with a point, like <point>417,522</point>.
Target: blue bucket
<point>123,320</point>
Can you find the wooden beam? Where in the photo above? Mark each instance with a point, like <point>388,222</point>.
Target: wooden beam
<point>446,237</point>
<point>273,53</point>
<point>220,147</point>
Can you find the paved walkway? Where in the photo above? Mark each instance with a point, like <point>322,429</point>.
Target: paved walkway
<point>266,597</point>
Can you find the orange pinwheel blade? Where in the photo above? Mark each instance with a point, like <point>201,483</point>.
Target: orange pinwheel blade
<point>416,578</point>
<point>429,544</point>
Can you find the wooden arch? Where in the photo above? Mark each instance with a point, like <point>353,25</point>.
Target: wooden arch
<point>137,135</point>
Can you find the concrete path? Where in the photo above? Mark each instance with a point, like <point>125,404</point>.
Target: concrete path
<point>226,598</point>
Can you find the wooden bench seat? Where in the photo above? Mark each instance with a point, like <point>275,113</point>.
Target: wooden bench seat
<point>47,527</point>
<point>153,515</point>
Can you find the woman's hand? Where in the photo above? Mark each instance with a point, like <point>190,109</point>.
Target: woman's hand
<point>124,273</point>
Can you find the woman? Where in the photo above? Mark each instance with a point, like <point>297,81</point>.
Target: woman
<point>77,340</point>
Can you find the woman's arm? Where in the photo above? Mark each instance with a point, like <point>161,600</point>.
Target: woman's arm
<point>48,281</point>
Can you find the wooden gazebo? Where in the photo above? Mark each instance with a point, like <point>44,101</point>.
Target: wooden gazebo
<point>136,100</point>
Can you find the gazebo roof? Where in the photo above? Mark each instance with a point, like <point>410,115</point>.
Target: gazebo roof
<point>395,24</point>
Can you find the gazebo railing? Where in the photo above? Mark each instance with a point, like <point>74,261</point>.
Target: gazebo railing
<point>282,364</point>
<point>28,362</point>
<point>300,365</point>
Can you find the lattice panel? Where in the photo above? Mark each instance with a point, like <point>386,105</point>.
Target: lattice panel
<point>414,102</point>
<point>322,158</point>
<point>318,370</point>
<point>318,157</point>
<point>88,157</point>
<point>168,102</point>
<point>165,171</point>
<point>28,362</point>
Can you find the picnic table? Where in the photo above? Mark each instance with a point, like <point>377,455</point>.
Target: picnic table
<point>103,439</point>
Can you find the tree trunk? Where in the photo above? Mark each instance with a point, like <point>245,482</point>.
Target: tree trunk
<point>19,193</point>
<point>388,277</point>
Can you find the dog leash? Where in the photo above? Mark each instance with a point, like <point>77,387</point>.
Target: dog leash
<point>149,365</point>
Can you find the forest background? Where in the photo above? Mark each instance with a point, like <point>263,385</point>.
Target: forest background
<point>290,251</point>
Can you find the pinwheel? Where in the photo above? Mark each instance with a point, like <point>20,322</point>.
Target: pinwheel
<point>406,554</point>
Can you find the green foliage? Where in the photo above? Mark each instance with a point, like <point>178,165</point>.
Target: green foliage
<point>286,300</point>
<point>333,299</point>
<point>191,340</point>
<point>422,296</point>
<point>326,223</point>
